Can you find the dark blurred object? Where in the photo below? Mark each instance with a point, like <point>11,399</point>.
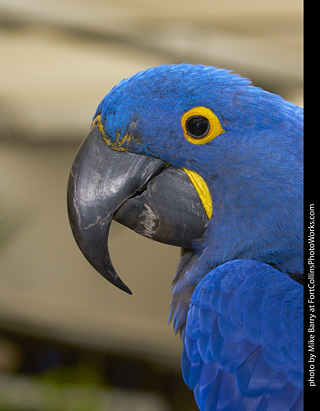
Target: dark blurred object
<point>52,376</point>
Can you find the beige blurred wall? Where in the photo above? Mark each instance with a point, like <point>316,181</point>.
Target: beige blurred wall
<point>58,59</point>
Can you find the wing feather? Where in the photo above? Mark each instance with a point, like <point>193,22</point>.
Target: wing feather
<point>243,339</point>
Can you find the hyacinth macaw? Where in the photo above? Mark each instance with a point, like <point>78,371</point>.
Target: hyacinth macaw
<point>197,157</point>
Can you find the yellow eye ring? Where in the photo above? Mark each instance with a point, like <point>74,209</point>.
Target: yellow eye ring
<point>200,125</point>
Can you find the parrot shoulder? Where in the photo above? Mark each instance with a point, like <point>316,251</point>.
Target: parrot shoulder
<point>243,338</point>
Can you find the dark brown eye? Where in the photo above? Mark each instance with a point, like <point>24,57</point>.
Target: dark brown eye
<point>200,125</point>
<point>197,126</point>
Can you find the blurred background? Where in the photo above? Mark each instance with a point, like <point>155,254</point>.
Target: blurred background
<point>68,339</point>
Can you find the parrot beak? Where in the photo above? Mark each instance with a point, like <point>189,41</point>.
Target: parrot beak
<point>141,192</point>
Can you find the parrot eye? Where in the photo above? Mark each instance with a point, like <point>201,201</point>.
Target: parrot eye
<point>200,125</point>
<point>197,126</point>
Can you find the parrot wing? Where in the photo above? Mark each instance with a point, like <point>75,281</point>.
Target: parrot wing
<point>243,340</point>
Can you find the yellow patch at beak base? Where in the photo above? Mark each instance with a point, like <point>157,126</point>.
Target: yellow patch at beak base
<point>202,190</point>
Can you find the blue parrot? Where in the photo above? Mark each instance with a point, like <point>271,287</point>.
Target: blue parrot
<point>197,157</point>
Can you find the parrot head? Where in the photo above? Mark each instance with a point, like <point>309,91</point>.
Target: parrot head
<point>196,157</point>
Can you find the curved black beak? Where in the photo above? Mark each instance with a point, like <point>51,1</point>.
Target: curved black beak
<point>138,191</point>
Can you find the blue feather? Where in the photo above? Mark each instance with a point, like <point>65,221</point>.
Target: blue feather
<point>256,369</point>
<point>229,330</point>
<point>284,399</point>
<point>191,371</point>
